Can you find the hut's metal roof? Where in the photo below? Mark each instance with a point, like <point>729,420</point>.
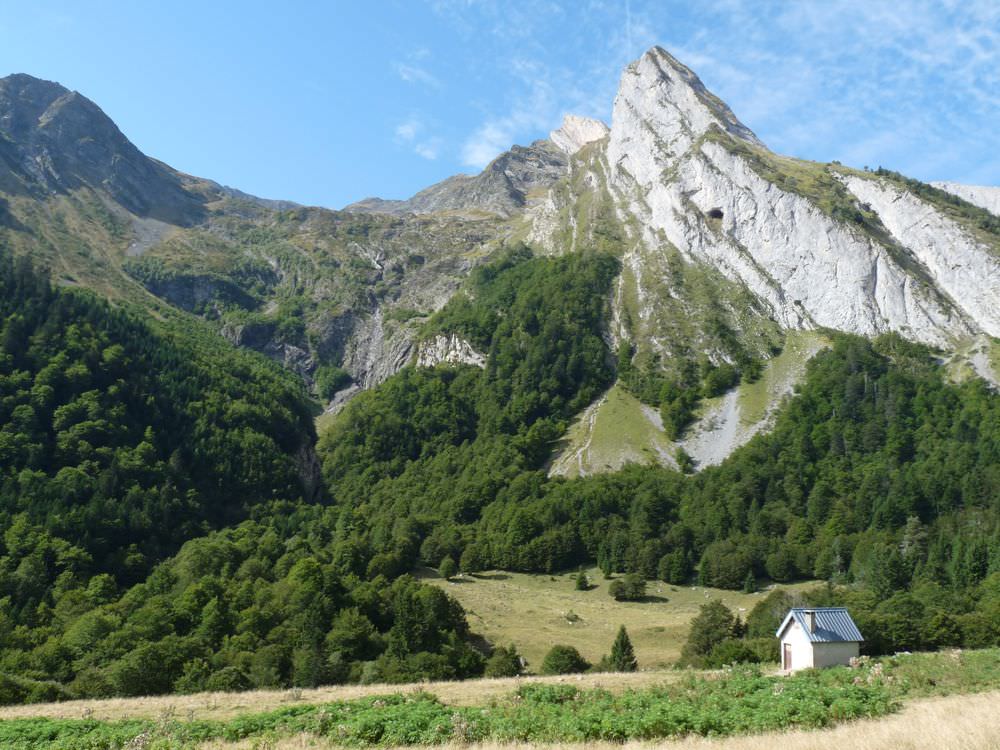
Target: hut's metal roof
<point>833,625</point>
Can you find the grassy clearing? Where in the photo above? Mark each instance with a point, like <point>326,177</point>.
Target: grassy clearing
<point>531,611</point>
<point>759,399</point>
<point>617,430</point>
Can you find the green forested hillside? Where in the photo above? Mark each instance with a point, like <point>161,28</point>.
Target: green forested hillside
<point>880,472</point>
<point>437,446</point>
<point>121,440</point>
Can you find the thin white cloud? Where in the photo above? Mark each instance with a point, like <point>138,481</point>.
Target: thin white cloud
<point>407,130</point>
<point>912,84</point>
<point>416,74</point>
<point>411,134</point>
<point>489,140</point>
<point>428,149</point>
<point>534,108</point>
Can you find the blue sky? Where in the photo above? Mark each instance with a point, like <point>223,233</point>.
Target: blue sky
<point>328,102</point>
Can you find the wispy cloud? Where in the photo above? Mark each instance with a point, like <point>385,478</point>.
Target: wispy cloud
<point>411,133</point>
<point>416,74</point>
<point>533,108</point>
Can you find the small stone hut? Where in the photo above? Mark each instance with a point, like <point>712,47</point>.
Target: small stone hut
<point>818,637</point>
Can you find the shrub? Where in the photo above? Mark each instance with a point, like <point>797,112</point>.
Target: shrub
<point>730,651</point>
<point>447,569</point>
<point>629,588</point>
<point>503,662</point>
<point>330,379</point>
<point>713,624</point>
<point>564,660</point>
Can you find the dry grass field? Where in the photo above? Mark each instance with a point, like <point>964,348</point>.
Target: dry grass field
<point>224,706</point>
<point>536,611</point>
<point>957,722</point>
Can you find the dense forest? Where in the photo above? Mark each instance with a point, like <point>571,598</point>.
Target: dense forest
<point>122,440</point>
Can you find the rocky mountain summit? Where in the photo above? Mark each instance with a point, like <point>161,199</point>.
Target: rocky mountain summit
<point>53,140</point>
<point>502,189</point>
<point>812,245</point>
<point>725,246</point>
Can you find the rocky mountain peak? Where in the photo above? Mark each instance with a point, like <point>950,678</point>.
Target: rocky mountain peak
<point>501,189</point>
<point>56,141</point>
<point>663,104</point>
<point>576,132</point>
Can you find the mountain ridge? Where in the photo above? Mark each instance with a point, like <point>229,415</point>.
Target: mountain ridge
<point>724,244</point>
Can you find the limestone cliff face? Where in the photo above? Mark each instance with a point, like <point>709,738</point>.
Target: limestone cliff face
<point>965,270</point>
<point>978,195</point>
<point>689,184</point>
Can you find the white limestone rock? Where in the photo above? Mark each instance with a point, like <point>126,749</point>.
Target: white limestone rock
<point>978,195</point>
<point>576,132</point>
<point>808,268</point>
<point>965,270</point>
<point>451,349</point>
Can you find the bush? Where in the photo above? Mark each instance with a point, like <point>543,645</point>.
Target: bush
<point>629,588</point>
<point>713,624</point>
<point>228,680</point>
<point>564,660</point>
<point>503,662</point>
<point>330,379</point>
<point>730,651</point>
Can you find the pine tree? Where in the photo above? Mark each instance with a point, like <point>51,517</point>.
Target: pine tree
<point>622,654</point>
<point>582,582</point>
<point>750,584</point>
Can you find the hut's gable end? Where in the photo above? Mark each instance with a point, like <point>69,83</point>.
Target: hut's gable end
<point>800,655</point>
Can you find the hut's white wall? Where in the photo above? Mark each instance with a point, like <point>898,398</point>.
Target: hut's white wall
<point>802,652</point>
<point>832,654</point>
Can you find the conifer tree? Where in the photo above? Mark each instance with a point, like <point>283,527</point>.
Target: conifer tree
<point>622,654</point>
<point>582,582</point>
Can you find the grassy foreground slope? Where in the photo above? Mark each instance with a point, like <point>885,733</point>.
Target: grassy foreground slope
<point>728,703</point>
<point>536,611</point>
